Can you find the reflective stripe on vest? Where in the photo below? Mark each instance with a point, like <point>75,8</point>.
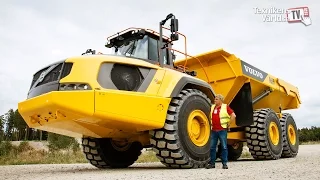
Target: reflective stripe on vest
<point>224,116</point>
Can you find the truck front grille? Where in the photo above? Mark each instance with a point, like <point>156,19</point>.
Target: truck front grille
<point>53,75</point>
<point>60,71</point>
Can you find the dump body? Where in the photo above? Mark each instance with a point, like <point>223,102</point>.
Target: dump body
<point>227,74</point>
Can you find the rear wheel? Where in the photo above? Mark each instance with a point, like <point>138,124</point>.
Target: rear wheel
<point>290,136</point>
<point>234,151</point>
<point>104,152</point>
<point>264,137</point>
<point>183,142</point>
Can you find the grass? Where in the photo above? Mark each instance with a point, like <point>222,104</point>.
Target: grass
<point>25,154</point>
<point>42,157</point>
<point>310,143</point>
<point>147,156</point>
<point>246,155</point>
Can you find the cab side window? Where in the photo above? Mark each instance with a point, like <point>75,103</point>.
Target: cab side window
<point>153,51</point>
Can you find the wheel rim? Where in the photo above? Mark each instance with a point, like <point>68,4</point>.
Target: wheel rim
<point>274,133</point>
<point>292,134</point>
<point>198,128</point>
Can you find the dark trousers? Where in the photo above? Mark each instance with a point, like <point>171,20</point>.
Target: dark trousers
<point>222,136</point>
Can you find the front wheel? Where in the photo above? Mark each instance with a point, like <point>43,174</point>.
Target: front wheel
<point>104,152</point>
<point>183,142</point>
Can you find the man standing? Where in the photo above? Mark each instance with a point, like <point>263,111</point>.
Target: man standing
<point>221,115</point>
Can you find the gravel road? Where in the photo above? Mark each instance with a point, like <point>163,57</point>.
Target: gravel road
<point>305,166</point>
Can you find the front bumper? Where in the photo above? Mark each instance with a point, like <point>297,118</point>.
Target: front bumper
<point>94,113</point>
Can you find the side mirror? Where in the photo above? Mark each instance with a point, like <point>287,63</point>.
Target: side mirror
<point>174,37</point>
<point>174,25</point>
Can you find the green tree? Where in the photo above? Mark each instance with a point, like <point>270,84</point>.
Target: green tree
<point>2,121</point>
<point>9,124</point>
<point>20,125</point>
<point>309,134</point>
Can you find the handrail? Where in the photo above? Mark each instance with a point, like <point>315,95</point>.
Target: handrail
<point>108,38</point>
<point>134,28</point>
<point>186,55</point>
<point>185,41</point>
<point>192,57</point>
<point>157,34</point>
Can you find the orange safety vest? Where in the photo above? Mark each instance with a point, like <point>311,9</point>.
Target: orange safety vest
<point>224,116</point>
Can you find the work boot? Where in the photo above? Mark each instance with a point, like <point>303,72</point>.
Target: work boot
<point>224,166</point>
<point>209,166</point>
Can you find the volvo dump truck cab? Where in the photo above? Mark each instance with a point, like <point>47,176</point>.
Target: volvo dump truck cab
<point>140,97</point>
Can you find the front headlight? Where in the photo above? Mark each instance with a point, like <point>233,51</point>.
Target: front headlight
<point>74,86</point>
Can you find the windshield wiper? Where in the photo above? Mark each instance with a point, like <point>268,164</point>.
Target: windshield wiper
<point>130,48</point>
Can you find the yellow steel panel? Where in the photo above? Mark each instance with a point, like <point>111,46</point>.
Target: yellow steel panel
<point>156,82</point>
<point>240,135</point>
<point>131,110</point>
<point>72,113</point>
<point>57,111</point>
<point>78,102</point>
<point>289,88</point>
<point>83,70</point>
<point>169,82</point>
<point>204,57</point>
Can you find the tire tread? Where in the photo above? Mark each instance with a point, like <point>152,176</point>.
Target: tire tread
<point>97,155</point>
<point>170,140</point>
<point>256,135</point>
<point>287,152</point>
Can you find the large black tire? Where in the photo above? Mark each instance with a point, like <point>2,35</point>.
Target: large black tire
<point>102,153</point>
<point>258,137</point>
<point>172,144</point>
<point>289,129</point>
<point>234,152</point>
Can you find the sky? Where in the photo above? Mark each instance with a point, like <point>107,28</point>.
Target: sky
<point>36,33</point>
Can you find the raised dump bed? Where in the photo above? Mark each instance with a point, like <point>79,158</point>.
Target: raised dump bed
<point>227,75</point>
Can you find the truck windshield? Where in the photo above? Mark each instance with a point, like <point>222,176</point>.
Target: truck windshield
<point>136,48</point>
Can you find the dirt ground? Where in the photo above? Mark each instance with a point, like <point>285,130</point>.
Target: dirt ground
<point>305,166</point>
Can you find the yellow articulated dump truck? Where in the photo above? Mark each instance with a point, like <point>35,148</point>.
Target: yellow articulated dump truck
<point>141,97</point>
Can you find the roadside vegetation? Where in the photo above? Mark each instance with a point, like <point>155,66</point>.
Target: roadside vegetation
<point>62,150</point>
<point>16,138</point>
